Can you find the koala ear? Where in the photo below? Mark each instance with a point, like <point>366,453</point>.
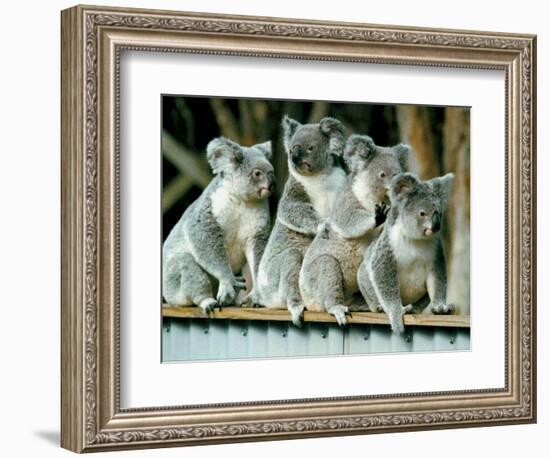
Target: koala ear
<point>442,186</point>
<point>402,152</point>
<point>359,148</point>
<point>289,129</point>
<point>334,129</point>
<point>265,149</point>
<point>223,153</point>
<point>402,185</point>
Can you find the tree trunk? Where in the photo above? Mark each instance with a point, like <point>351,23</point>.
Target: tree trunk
<point>456,157</point>
<point>416,129</point>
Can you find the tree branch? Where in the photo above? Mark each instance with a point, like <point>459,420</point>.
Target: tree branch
<point>188,163</point>
<point>174,191</point>
<point>318,111</point>
<point>227,122</point>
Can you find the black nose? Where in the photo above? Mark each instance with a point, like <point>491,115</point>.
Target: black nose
<point>297,154</point>
<point>436,222</point>
<point>271,187</point>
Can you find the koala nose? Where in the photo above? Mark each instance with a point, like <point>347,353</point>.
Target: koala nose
<point>297,154</point>
<point>271,181</point>
<point>436,222</point>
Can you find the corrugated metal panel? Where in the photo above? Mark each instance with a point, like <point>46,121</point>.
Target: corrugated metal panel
<point>198,339</point>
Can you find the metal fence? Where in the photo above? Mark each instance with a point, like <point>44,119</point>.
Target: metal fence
<point>193,339</point>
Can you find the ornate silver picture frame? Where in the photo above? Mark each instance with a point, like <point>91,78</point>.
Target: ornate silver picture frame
<point>93,39</point>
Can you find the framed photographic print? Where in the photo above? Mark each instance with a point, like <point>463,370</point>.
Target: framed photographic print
<point>277,228</point>
<point>197,328</point>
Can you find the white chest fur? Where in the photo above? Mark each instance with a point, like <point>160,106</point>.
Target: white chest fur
<point>322,189</point>
<point>362,193</point>
<point>414,259</point>
<point>239,221</point>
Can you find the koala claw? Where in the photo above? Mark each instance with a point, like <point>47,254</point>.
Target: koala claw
<point>398,328</point>
<point>442,309</point>
<point>239,283</point>
<point>208,305</point>
<point>251,300</point>
<point>297,314</point>
<point>380,213</point>
<point>339,312</point>
<point>396,318</point>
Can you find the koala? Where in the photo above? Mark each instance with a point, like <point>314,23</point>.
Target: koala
<point>328,277</point>
<point>225,227</point>
<point>315,179</point>
<point>406,264</point>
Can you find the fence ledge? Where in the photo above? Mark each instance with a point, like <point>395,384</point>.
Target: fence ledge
<point>265,314</point>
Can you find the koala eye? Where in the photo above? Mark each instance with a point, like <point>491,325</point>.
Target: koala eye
<point>310,148</point>
<point>422,213</point>
<point>382,174</point>
<point>258,173</point>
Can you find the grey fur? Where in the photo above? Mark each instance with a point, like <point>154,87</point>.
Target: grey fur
<point>225,227</point>
<point>312,150</point>
<point>406,264</point>
<point>328,277</point>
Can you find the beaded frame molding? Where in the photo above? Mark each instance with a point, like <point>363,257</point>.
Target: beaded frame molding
<point>92,40</point>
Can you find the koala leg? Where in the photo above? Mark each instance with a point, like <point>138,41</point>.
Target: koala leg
<point>436,283</point>
<point>324,282</point>
<point>367,290</point>
<point>290,264</point>
<point>186,283</point>
<point>381,271</point>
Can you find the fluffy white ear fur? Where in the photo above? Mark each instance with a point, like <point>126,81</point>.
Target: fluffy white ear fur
<point>401,185</point>
<point>443,186</point>
<point>403,152</point>
<point>265,149</point>
<point>223,153</point>
<point>334,129</point>
<point>358,148</point>
<point>289,128</point>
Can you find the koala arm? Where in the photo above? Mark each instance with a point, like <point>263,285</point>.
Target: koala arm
<point>352,223</point>
<point>352,220</point>
<point>300,217</point>
<point>296,212</point>
<point>206,239</point>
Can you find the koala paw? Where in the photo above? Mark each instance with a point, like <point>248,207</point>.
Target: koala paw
<point>380,213</point>
<point>442,309</point>
<point>297,314</point>
<point>226,294</point>
<point>340,312</point>
<point>375,308</point>
<point>396,318</point>
<point>208,305</point>
<point>252,299</point>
